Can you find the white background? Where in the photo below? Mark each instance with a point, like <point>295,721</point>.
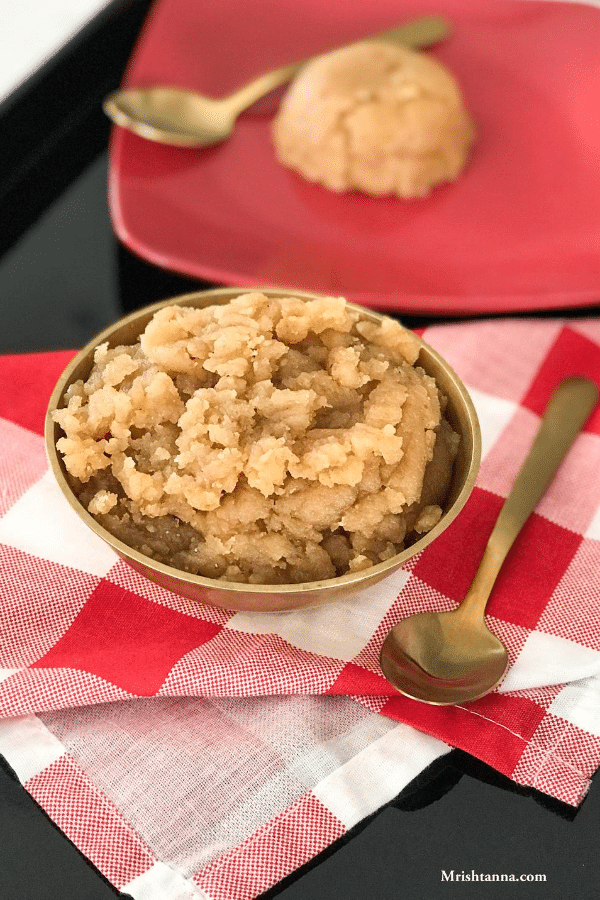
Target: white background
<point>32,31</point>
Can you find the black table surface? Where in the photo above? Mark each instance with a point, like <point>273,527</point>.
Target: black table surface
<point>63,277</point>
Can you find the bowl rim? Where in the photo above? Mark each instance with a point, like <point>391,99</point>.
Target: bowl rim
<point>371,574</point>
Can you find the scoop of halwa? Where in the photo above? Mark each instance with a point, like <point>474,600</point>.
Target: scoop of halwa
<point>376,118</point>
<point>268,440</point>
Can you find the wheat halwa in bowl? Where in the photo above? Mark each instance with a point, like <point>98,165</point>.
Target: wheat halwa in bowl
<point>262,449</point>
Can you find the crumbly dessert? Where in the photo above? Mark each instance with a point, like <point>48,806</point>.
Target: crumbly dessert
<point>267,440</point>
<point>377,118</point>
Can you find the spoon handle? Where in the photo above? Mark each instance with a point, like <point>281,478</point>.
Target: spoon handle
<point>564,417</point>
<point>422,32</point>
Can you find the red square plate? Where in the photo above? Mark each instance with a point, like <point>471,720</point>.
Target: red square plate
<point>520,230</point>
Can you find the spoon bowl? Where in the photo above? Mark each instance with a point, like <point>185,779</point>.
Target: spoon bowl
<point>452,657</point>
<point>170,115</point>
<point>184,118</point>
<point>442,658</point>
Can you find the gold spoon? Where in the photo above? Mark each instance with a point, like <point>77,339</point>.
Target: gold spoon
<point>451,657</point>
<point>175,116</point>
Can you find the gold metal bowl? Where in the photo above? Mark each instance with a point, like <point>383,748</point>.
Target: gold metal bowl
<point>266,598</point>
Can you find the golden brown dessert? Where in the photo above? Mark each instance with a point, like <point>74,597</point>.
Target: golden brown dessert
<point>268,440</point>
<point>376,118</point>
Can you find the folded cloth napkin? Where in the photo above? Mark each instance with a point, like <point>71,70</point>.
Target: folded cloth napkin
<point>197,752</point>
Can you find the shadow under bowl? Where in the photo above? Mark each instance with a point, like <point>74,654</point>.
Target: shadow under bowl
<point>460,412</point>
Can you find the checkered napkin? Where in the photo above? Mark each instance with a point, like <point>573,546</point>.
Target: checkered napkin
<point>195,752</point>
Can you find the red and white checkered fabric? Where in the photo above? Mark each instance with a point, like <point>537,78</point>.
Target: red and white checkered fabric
<point>194,752</point>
